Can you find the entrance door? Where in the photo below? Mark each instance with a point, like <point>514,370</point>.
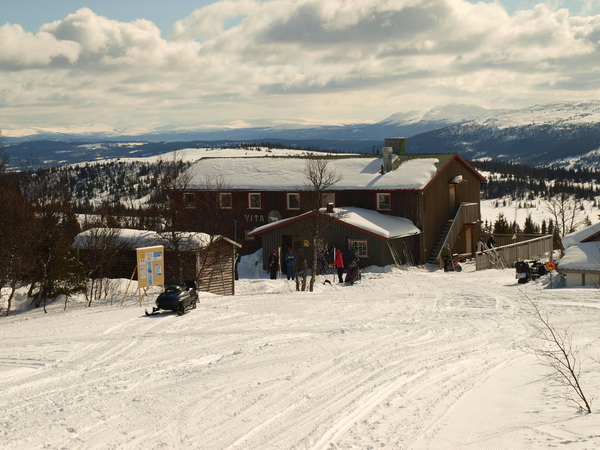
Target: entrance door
<point>453,198</point>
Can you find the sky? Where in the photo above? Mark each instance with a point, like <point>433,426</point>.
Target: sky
<point>139,66</point>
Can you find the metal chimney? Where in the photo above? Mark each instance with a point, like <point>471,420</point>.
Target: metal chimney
<point>398,144</point>
<point>387,159</point>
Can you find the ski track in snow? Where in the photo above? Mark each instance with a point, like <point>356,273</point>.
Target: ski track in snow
<point>410,359</point>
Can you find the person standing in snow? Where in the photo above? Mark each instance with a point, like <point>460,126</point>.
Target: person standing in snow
<point>339,263</point>
<point>491,242</point>
<point>447,257</point>
<point>273,265</point>
<point>290,262</point>
<point>480,245</point>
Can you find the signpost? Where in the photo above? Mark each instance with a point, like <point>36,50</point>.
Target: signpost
<point>150,268</point>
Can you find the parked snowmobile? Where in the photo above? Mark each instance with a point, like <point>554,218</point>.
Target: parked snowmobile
<point>529,270</point>
<point>177,298</point>
<point>452,263</point>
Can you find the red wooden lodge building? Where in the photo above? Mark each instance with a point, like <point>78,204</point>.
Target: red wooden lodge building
<point>438,192</point>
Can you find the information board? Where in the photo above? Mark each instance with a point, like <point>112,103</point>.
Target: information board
<point>151,266</point>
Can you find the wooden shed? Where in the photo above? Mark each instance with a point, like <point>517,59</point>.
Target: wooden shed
<point>377,239</point>
<point>581,262</point>
<point>208,260</point>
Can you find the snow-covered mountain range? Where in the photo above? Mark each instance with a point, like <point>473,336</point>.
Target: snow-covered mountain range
<point>445,115</point>
<point>559,134</point>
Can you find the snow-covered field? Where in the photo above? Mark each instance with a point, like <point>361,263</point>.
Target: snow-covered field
<point>490,209</point>
<point>407,359</point>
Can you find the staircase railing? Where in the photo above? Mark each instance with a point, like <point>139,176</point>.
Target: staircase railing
<point>467,213</point>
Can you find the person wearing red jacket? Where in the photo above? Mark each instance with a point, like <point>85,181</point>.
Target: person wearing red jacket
<point>339,263</point>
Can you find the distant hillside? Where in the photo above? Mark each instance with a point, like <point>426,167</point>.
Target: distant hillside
<point>49,153</point>
<point>562,134</point>
<point>400,124</point>
<point>559,134</point>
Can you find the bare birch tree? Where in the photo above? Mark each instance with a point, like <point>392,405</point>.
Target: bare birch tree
<point>567,213</point>
<point>101,250</point>
<point>561,356</point>
<point>180,202</point>
<point>170,200</point>
<point>319,178</point>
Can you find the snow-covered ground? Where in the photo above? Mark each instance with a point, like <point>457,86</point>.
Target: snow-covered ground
<point>407,359</point>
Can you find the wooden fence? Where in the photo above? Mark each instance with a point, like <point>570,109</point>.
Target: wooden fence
<point>507,255</point>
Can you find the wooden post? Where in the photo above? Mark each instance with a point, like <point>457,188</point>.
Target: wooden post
<point>128,284</point>
<point>142,293</point>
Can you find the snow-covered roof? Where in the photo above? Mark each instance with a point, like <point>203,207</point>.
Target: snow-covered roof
<point>383,225</point>
<point>584,256</point>
<point>268,173</point>
<point>132,238</point>
<point>580,235</point>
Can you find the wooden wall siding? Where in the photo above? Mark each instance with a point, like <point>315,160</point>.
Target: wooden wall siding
<point>123,265</point>
<point>575,279</point>
<point>218,275</point>
<point>404,203</point>
<point>337,235</point>
<point>218,278</point>
<point>437,209</point>
<point>428,209</point>
<point>233,223</point>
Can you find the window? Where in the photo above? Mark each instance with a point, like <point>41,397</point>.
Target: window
<point>327,198</point>
<point>383,202</point>
<point>360,247</point>
<point>254,201</point>
<point>189,201</point>
<point>293,201</point>
<point>225,200</point>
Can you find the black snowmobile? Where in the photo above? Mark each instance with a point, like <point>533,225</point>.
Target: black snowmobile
<point>177,298</point>
<point>529,270</point>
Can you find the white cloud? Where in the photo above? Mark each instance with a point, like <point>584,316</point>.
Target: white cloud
<point>247,59</point>
<point>20,49</point>
<point>210,21</point>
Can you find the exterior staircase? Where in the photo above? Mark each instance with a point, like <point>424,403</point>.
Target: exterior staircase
<point>440,242</point>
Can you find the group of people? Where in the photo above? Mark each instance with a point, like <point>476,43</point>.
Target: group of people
<point>481,246</point>
<point>291,258</point>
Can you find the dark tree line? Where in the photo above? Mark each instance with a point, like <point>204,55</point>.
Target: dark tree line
<point>38,227</point>
<point>116,187</point>
<point>521,182</point>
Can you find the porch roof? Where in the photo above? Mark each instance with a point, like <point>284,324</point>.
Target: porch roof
<point>381,225</point>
